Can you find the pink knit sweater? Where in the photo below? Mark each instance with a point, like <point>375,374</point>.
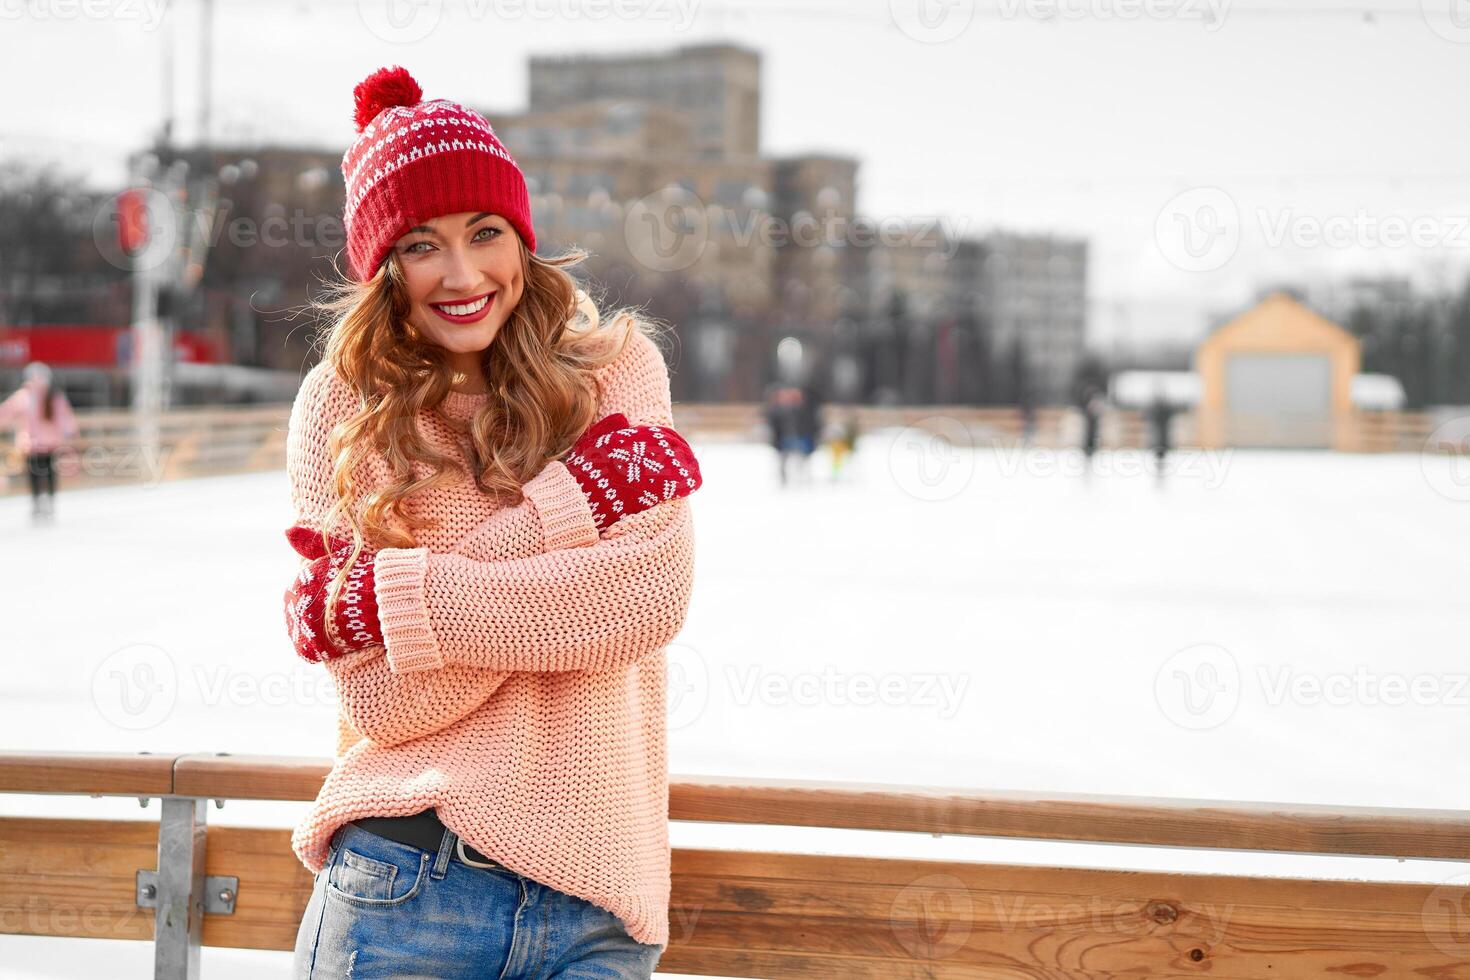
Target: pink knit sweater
<point>34,433</point>
<point>522,689</point>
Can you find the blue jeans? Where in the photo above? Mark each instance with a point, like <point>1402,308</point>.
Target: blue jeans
<point>382,909</point>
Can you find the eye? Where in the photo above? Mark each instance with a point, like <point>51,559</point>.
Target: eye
<point>494,232</point>
<point>410,249</point>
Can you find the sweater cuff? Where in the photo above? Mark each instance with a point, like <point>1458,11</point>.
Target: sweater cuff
<point>398,583</point>
<point>566,517</point>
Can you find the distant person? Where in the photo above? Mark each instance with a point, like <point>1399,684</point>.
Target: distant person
<point>808,425</point>
<point>783,418</point>
<point>843,442</point>
<point>1028,416</point>
<point>1093,406</point>
<point>44,424</point>
<point>1160,414</point>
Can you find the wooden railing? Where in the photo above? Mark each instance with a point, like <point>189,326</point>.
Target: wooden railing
<point>216,441</point>
<point>747,913</point>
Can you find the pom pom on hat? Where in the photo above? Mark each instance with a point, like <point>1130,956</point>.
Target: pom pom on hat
<point>381,90</point>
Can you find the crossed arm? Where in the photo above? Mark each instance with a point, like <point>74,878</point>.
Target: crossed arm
<point>535,587</point>
<point>390,707</point>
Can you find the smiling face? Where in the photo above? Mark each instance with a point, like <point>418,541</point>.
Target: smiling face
<point>464,278</point>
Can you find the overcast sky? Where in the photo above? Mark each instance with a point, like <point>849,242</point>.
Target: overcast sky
<point>1202,146</point>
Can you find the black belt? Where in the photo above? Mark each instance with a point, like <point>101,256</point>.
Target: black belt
<point>423,830</point>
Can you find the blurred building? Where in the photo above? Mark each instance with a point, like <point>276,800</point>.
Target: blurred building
<point>1277,375</point>
<point>716,85</point>
<point>1033,303</point>
<point>652,162</point>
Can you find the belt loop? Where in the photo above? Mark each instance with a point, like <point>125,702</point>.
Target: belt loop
<point>446,848</point>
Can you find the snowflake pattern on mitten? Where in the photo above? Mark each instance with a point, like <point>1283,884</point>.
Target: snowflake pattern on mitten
<point>624,469</point>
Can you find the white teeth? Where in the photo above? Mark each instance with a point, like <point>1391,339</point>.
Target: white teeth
<point>465,309</point>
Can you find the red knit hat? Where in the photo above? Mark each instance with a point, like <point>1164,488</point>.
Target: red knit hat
<point>416,160</point>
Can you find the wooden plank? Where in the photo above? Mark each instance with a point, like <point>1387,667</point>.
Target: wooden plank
<point>1290,827</point>
<point>274,888</point>
<point>770,915</point>
<point>764,914</point>
<point>92,773</point>
<point>75,877</point>
<point>1281,827</point>
<point>250,777</point>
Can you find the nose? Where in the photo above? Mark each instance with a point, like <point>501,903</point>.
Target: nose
<point>460,274</point>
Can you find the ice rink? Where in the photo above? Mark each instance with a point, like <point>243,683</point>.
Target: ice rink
<point>1274,626</point>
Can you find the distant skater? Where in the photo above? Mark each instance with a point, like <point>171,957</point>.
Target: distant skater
<point>44,424</point>
<point>1160,414</point>
<point>843,442</point>
<point>784,419</point>
<point>1093,405</point>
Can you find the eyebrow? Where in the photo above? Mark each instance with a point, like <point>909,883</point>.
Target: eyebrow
<point>478,217</point>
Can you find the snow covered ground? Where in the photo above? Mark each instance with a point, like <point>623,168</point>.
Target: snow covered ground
<point>1260,626</point>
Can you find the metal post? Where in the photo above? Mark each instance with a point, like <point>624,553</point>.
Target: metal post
<point>179,920</point>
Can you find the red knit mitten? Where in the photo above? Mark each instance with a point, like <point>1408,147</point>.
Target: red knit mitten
<point>624,469</point>
<point>355,624</point>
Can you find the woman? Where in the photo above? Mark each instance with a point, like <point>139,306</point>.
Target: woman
<point>492,607</point>
<point>44,422</point>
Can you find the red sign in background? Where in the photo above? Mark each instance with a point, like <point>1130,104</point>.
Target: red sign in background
<point>90,346</point>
